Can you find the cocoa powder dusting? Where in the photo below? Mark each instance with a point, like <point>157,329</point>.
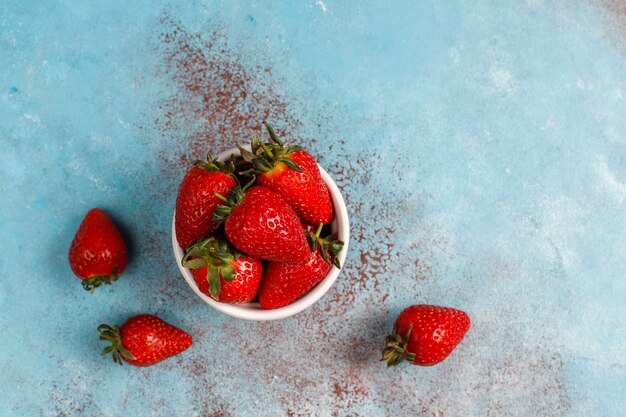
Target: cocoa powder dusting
<point>616,23</point>
<point>218,97</point>
<point>218,101</point>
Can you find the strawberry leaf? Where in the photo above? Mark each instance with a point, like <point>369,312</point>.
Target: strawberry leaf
<point>223,245</point>
<point>261,165</point>
<point>325,256</point>
<point>335,247</point>
<point>228,273</point>
<point>215,283</point>
<point>112,335</point>
<point>91,283</point>
<point>221,258</point>
<point>272,134</point>
<point>215,165</point>
<point>291,164</point>
<point>196,263</point>
<point>246,154</point>
<point>312,242</point>
<point>329,245</point>
<point>395,350</point>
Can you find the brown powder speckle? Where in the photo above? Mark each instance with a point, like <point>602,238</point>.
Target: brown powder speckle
<point>324,359</point>
<point>217,100</point>
<point>615,22</point>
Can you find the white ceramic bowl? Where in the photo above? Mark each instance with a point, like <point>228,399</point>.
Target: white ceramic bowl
<point>253,311</point>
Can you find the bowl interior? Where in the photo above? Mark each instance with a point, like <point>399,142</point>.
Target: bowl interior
<point>253,311</point>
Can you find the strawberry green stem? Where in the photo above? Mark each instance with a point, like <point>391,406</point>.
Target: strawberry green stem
<point>266,149</point>
<point>215,165</point>
<point>249,184</point>
<point>329,245</point>
<point>273,136</point>
<point>395,350</point>
<point>221,197</point>
<point>319,230</point>
<point>234,198</point>
<point>93,282</point>
<point>219,259</point>
<point>112,335</point>
<point>265,155</point>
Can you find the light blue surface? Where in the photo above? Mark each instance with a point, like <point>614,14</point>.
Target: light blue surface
<point>481,147</point>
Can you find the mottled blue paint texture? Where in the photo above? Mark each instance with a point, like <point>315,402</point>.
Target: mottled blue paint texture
<point>481,148</point>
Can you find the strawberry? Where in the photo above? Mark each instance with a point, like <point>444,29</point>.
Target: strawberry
<point>144,340</point>
<point>222,272</point>
<point>285,282</point>
<point>98,253</point>
<point>260,223</point>
<point>425,335</point>
<point>292,173</point>
<point>196,199</point>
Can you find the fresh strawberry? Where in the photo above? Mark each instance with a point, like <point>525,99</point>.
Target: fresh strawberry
<point>98,253</point>
<point>260,223</point>
<point>285,282</point>
<point>425,335</point>
<point>292,173</point>
<point>222,272</point>
<point>196,199</point>
<point>144,340</point>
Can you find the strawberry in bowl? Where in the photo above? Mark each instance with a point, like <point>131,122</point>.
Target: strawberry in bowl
<point>222,272</point>
<point>266,220</point>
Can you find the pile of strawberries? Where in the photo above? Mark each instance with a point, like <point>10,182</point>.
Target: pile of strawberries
<point>260,241</point>
<point>263,239</point>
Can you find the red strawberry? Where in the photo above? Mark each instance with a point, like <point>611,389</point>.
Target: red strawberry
<point>222,272</point>
<point>294,174</point>
<point>285,282</point>
<point>196,199</point>
<point>262,224</point>
<point>98,253</point>
<point>144,340</point>
<point>425,335</point>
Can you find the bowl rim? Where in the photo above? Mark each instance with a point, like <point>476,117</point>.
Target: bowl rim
<point>252,311</point>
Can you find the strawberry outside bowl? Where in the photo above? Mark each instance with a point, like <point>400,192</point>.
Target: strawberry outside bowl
<point>253,311</point>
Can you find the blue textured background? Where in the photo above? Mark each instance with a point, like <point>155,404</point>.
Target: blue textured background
<point>481,148</point>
